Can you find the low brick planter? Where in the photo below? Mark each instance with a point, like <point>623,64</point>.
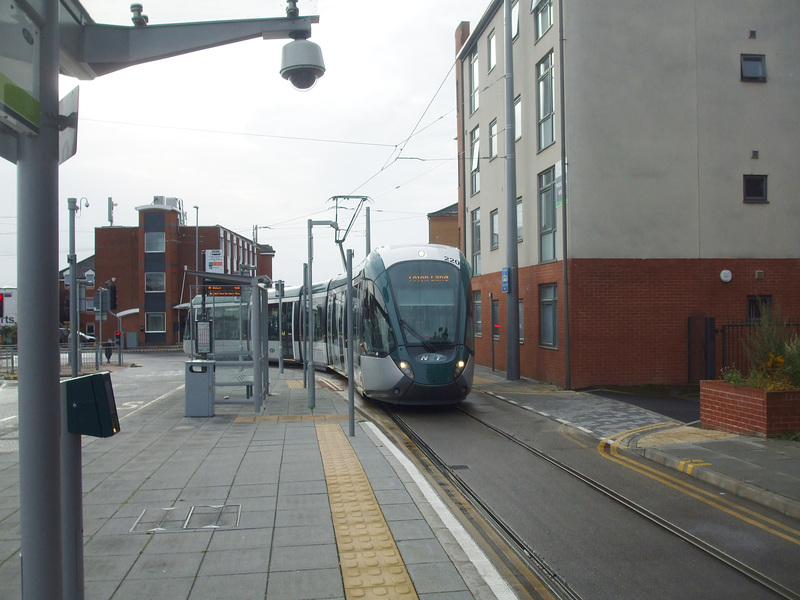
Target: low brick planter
<point>749,411</point>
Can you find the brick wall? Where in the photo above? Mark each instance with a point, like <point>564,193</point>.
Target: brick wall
<point>749,411</point>
<point>629,317</point>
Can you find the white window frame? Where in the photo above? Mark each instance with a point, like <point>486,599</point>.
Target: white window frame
<point>151,324</point>
<point>545,102</point>
<point>476,241</point>
<point>494,227</point>
<point>493,140</point>
<point>491,48</point>
<point>548,311</point>
<point>475,163</point>
<point>155,241</point>
<point>151,280</point>
<point>474,82</point>
<point>543,16</point>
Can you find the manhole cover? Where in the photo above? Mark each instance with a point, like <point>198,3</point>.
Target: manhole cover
<point>185,518</point>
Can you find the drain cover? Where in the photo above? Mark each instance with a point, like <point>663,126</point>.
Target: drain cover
<point>184,518</point>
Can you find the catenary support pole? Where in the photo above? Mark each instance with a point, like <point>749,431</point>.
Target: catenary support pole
<point>348,311</point>
<point>255,343</point>
<point>312,400</point>
<point>39,354</point>
<point>512,298</point>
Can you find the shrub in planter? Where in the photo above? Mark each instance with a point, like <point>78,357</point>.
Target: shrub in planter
<point>767,400</point>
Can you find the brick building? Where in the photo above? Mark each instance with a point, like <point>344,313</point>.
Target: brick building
<point>443,226</point>
<point>681,200</point>
<point>148,264</point>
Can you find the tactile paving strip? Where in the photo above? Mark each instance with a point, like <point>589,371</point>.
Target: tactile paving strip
<point>371,563</point>
<point>291,418</point>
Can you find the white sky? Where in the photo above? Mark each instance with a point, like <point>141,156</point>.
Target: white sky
<point>222,130</point>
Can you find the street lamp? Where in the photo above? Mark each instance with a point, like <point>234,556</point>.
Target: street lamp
<point>196,239</point>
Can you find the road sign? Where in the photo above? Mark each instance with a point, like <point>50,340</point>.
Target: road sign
<point>19,70</point>
<point>504,280</point>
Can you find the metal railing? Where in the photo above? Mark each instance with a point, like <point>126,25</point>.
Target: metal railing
<point>735,338</point>
<point>9,358</point>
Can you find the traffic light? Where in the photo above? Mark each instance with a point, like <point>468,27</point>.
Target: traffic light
<point>116,338</point>
<point>112,297</point>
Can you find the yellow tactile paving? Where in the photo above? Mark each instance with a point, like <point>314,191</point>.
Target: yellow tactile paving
<point>295,384</point>
<point>289,418</point>
<point>371,563</point>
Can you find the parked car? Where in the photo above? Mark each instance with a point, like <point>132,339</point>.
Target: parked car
<point>64,336</point>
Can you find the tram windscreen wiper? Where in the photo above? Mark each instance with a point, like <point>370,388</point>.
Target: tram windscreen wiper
<point>428,346</point>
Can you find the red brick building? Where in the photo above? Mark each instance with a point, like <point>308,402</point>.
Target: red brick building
<point>148,264</point>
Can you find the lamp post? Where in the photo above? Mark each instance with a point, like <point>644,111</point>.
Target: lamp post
<point>196,240</point>
<point>310,299</point>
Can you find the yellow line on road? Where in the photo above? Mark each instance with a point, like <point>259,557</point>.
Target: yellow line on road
<point>609,448</point>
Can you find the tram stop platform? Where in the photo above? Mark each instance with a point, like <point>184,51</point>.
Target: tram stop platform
<point>284,505</point>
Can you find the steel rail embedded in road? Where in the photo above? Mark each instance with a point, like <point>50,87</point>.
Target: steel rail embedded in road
<point>738,566</point>
<point>555,584</point>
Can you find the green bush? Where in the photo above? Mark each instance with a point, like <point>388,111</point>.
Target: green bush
<point>774,353</point>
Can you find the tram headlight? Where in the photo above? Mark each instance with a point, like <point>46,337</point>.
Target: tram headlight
<point>459,368</point>
<point>405,368</point>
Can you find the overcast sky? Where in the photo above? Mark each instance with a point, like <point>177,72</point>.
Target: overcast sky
<point>221,130</point>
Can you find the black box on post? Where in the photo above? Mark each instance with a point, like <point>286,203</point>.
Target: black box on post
<point>91,408</point>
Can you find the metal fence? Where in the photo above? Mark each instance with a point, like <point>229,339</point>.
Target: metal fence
<point>9,358</point>
<point>735,340</point>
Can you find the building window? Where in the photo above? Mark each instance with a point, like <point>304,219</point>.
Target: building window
<point>548,311</point>
<point>493,139</point>
<point>521,320</point>
<point>755,188</point>
<point>155,322</point>
<point>754,67</point>
<point>546,102</point>
<point>476,241</point>
<point>543,15</point>
<point>519,220</point>
<point>518,118</point>
<point>154,241</point>
<point>476,302</point>
<point>155,282</point>
<point>514,20</point>
<point>494,227</point>
<point>474,81</point>
<point>491,47</point>
<point>547,216</point>
<point>757,307</point>
<point>496,319</point>
<point>475,168</point>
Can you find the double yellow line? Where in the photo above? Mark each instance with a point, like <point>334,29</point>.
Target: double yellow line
<point>609,448</point>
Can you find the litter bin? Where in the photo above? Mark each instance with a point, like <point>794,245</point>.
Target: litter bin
<point>199,390</point>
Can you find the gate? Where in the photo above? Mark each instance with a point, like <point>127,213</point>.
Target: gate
<point>702,349</point>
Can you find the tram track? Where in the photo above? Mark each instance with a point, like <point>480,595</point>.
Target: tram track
<point>561,588</point>
<point>525,562</point>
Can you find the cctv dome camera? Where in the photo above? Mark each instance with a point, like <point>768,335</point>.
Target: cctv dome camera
<point>301,63</point>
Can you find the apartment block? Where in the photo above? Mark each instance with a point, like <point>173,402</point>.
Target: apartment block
<point>657,192</point>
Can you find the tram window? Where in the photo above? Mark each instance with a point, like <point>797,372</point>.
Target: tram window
<point>272,331</point>
<point>430,300</point>
<point>378,335</point>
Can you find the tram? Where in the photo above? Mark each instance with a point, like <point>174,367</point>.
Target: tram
<point>412,322</point>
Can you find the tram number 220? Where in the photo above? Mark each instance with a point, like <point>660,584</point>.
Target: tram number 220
<point>455,261</point>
